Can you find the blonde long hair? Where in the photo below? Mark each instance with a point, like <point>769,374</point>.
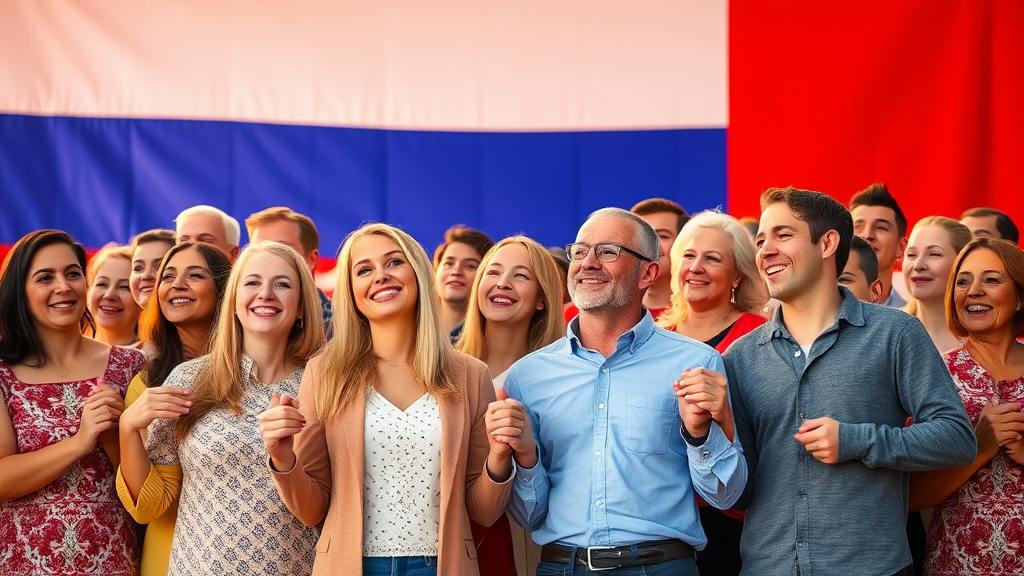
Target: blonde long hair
<point>546,325</point>
<point>959,236</point>
<point>348,369</point>
<point>750,296</point>
<point>221,382</point>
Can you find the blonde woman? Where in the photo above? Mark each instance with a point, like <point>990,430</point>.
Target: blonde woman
<point>109,297</point>
<point>203,420</point>
<point>515,308</point>
<point>927,262</point>
<point>393,458</point>
<point>717,296</point>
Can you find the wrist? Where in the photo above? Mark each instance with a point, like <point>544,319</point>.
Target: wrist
<point>526,460</point>
<point>694,440</point>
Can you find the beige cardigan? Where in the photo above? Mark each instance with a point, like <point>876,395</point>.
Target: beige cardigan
<point>326,485</point>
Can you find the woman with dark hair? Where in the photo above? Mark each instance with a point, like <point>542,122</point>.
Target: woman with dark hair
<point>978,523</point>
<point>204,446</point>
<point>394,457</point>
<point>175,327</point>
<point>58,422</point>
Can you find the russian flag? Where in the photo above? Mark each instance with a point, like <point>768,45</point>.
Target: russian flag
<point>506,116</point>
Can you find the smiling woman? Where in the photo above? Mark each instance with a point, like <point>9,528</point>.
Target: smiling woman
<point>372,411</point>
<point>204,443</point>
<point>110,299</point>
<point>58,422</point>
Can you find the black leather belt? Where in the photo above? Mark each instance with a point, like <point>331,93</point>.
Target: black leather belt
<point>598,558</point>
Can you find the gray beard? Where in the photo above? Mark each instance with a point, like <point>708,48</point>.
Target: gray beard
<point>613,295</point>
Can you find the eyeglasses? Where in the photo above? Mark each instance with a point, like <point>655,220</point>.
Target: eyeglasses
<point>604,252</point>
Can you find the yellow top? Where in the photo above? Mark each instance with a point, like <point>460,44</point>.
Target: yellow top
<point>157,504</point>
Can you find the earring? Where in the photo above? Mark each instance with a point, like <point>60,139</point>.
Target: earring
<point>298,322</point>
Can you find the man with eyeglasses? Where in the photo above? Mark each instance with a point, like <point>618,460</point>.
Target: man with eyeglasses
<point>608,445</point>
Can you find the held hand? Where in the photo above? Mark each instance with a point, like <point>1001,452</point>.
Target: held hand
<point>703,396</point>
<point>820,437</point>
<point>278,425</point>
<point>1015,451</point>
<point>509,430</point>
<point>998,424</point>
<point>100,412</point>
<point>153,403</point>
<point>108,438</point>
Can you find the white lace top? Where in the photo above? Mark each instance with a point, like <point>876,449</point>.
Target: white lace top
<point>402,481</point>
<point>231,519</point>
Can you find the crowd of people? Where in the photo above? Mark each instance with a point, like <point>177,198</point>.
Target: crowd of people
<point>665,394</point>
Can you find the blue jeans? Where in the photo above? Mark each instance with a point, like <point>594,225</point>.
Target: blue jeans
<point>680,567</point>
<point>400,566</point>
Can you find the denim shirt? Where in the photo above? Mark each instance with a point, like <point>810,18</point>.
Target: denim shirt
<point>613,467</point>
<point>869,371</point>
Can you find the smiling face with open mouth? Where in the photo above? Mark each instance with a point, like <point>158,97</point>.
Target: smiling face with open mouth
<point>509,290</point>
<point>186,290</point>
<point>789,263</point>
<point>984,295</point>
<point>383,281</point>
<point>268,297</point>
<point>145,264</point>
<point>56,288</point>
<point>110,298</point>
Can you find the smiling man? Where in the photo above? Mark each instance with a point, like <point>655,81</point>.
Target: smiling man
<point>620,452</point>
<point>877,219</point>
<point>209,225</point>
<point>821,393</point>
<point>455,263</point>
<point>667,218</point>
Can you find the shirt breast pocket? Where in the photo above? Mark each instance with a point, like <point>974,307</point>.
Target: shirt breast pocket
<point>649,423</point>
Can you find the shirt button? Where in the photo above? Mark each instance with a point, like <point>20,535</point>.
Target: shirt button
<point>801,414</point>
<point>600,406</point>
<point>605,370</point>
<point>598,503</point>
<point>796,354</point>
<point>598,453</point>
<point>801,492</point>
<point>704,455</point>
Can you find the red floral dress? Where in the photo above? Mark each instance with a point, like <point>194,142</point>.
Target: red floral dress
<point>76,525</point>
<point>979,529</point>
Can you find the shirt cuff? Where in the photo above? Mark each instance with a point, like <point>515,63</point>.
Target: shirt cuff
<point>510,478</point>
<point>714,447</point>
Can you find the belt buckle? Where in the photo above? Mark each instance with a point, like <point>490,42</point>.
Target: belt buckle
<point>590,564</point>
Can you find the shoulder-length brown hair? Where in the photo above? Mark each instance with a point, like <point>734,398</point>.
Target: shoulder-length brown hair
<point>546,325</point>
<point>220,383</point>
<point>1013,261</point>
<point>348,369</point>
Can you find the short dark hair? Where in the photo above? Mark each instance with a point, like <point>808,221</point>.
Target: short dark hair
<point>162,335</point>
<point>821,213</point>
<point>867,261</point>
<point>1013,261</point>
<point>459,233</point>
<point>1006,228</point>
<point>878,195</point>
<point>18,338</point>
<point>659,205</point>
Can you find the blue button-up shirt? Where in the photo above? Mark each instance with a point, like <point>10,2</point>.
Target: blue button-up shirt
<point>613,467</point>
<point>869,371</point>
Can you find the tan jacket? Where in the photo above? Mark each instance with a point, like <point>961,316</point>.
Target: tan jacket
<point>328,478</point>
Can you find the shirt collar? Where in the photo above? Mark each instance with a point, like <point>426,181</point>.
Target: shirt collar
<point>633,338</point>
<point>851,311</point>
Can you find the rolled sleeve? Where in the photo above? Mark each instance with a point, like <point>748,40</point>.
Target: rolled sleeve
<point>717,469</point>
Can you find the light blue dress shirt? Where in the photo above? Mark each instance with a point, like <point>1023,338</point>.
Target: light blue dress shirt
<point>613,467</point>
